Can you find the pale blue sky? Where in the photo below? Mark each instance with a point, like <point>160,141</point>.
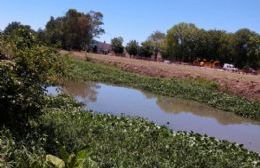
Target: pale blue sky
<point>137,19</point>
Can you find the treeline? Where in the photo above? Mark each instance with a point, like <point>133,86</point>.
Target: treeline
<point>73,31</point>
<point>183,42</point>
<point>186,42</point>
<point>147,49</point>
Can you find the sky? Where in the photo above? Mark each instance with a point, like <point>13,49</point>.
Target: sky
<point>137,19</point>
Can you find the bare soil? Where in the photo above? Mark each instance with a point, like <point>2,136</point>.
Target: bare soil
<point>241,84</point>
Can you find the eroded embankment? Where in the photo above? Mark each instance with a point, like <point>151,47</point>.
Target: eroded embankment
<point>245,85</point>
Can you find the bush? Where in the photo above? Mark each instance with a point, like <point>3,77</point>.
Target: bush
<point>22,83</point>
<point>22,36</point>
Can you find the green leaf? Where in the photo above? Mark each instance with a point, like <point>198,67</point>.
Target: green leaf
<point>55,161</point>
<point>83,160</point>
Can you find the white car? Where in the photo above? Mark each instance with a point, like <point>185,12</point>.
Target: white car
<point>230,67</point>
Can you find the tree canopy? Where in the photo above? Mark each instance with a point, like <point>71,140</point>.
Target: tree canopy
<point>117,45</point>
<point>132,47</point>
<point>147,49</point>
<point>186,42</point>
<point>74,30</point>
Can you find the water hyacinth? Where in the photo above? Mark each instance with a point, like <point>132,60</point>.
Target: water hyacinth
<point>135,142</point>
<point>119,141</point>
<point>200,90</point>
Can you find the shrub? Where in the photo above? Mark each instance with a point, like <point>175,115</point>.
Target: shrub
<point>22,83</point>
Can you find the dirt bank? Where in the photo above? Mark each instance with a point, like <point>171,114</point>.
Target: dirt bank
<point>245,85</point>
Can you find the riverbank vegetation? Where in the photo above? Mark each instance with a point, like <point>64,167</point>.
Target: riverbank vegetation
<point>37,130</point>
<point>200,90</point>
<point>26,68</point>
<point>64,131</point>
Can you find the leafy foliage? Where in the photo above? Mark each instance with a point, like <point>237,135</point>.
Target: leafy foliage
<point>6,48</point>
<point>117,45</point>
<point>245,45</point>
<point>14,26</point>
<point>84,139</point>
<point>125,142</point>
<point>22,154</point>
<point>152,46</point>
<point>74,30</point>
<point>21,35</point>
<point>79,160</point>
<point>147,49</point>
<point>97,140</point>
<point>132,142</point>
<point>65,134</point>
<point>199,90</point>
<point>186,42</point>
<point>132,47</point>
<point>158,41</point>
<point>23,77</point>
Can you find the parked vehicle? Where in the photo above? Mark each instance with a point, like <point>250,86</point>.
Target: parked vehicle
<point>230,67</point>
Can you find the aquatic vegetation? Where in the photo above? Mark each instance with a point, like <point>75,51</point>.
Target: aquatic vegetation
<point>133,142</point>
<point>200,90</point>
<point>64,131</point>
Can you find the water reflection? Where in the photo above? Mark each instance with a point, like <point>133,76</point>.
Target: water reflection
<point>172,105</point>
<point>84,90</point>
<point>175,113</point>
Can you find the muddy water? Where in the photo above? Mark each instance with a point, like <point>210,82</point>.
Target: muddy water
<point>177,114</point>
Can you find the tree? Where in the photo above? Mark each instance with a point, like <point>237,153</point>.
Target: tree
<point>132,47</point>
<point>181,40</point>
<point>41,36</point>
<point>158,41</point>
<point>164,51</point>
<point>147,49</point>
<point>117,45</point>
<point>253,54</point>
<point>186,42</point>
<point>157,37</point>
<point>74,30</point>
<point>241,46</point>
<point>96,23</point>
<point>14,26</point>
<point>54,32</point>
<point>226,48</point>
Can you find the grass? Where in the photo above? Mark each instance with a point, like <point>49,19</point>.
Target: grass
<point>200,90</point>
<point>115,142</point>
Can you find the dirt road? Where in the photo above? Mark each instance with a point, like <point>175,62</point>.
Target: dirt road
<point>241,84</point>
